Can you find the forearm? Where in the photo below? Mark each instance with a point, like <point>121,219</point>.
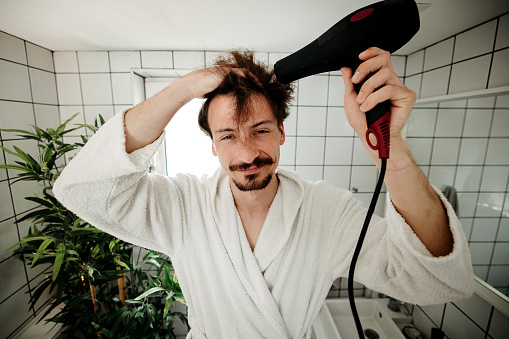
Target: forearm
<point>145,122</point>
<point>415,199</point>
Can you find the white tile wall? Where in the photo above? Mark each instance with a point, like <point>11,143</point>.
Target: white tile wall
<point>313,91</point>
<point>14,82</point>
<point>500,68</point>
<point>336,91</point>
<point>124,61</point>
<point>69,89</point>
<point>503,32</point>
<point>475,42</point>
<point>46,116</point>
<point>310,150</point>
<point>439,55</point>
<point>94,62</point>
<point>15,115</point>
<point>122,90</point>
<point>415,63</point>
<point>484,229</point>
<point>13,49</point>
<point>434,83</point>
<point>470,75</point>
<point>338,151</point>
<point>96,89</point>
<point>156,59</point>
<point>450,122</point>
<point>478,123</point>
<point>66,62</point>
<point>39,57</point>
<point>311,121</point>
<point>188,60</point>
<point>338,176</point>
<point>43,87</point>
<point>337,123</point>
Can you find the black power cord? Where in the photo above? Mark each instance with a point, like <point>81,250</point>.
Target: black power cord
<point>362,235</point>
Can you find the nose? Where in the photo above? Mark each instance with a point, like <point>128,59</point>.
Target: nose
<point>247,151</point>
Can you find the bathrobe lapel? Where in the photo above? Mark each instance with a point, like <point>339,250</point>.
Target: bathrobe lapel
<point>249,266</point>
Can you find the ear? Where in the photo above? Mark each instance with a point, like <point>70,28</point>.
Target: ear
<point>214,150</point>
<point>282,131</point>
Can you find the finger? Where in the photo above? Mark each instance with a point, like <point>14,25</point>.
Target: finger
<point>383,77</point>
<point>372,52</point>
<point>347,79</point>
<point>398,96</point>
<point>372,64</point>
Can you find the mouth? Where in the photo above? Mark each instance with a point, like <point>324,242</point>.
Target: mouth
<point>251,170</point>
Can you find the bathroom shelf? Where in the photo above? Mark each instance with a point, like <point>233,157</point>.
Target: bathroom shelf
<point>466,95</point>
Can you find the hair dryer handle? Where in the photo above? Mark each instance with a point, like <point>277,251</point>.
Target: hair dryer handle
<point>378,120</point>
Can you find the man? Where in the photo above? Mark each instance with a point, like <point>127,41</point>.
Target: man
<point>256,250</point>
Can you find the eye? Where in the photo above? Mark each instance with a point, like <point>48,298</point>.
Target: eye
<point>226,137</point>
<point>262,131</point>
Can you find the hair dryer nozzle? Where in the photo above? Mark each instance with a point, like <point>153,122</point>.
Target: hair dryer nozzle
<point>387,24</point>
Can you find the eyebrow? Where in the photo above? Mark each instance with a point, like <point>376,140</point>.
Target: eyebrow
<point>224,130</point>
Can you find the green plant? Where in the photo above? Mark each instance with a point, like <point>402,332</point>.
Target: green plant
<point>87,266</point>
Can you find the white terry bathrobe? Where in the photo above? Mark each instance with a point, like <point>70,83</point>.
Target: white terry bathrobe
<point>306,242</point>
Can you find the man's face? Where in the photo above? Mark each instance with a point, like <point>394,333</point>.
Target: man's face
<point>248,151</point>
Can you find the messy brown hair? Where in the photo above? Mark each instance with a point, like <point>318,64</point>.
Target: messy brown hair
<point>257,79</point>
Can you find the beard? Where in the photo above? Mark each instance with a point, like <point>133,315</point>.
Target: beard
<point>252,183</point>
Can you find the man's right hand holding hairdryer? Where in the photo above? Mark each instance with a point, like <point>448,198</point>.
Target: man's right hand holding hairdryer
<point>410,191</point>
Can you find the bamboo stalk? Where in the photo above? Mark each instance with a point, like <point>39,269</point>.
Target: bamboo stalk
<point>122,286</point>
<point>94,297</point>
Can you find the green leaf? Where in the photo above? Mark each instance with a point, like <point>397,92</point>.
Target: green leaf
<point>167,307</point>
<point>41,249</point>
<point>58,260</point>
<point>149,292</point>
<point>121,263</point>
<point>17,167</point>
<point>113,243</point>
<point>28,240</point>
<point>17,131</point>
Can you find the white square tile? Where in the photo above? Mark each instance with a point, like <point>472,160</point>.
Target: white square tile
<point>421,122</point>
<point>498,276</point>
<point>422,322</point>
<point>311,121</point>
<point>484,229</point>
<point>262,57</point>
<point>313,90</point>
<point>338,151</point>
<point>290,122</point>
<point>473,151</point>
<point>188,60</point>
<point>66,62</point>
<point>156,59</point>
<point>92,113</point>
<point>484,102</point>
<point>15,311</point>
<point>499,69</point>
<point>39,57</point>
<point>434,83</point>
<point>497,152</point>
<point>467,204</point>
<point>212,57</point>
<point>122,90</point>
<point>481,271</point>
<point>399,63</point>
<point>420,149</point>
<point>310,150</point>
<point>47,116</point>
<point>96,89</point>
<point>93,62</point>
<point>15,115</point>
<point>501,254</point>
<point>124,61</point>
<point>468,178</point>
<point>13,48</point>
<point>502,101</point>
<point>336,91</point>
<point>360,155</point>
<point>470,75</point>
<point>439,55</point>
<point>478,123</point>
<point>454,104</point>
<point>503,231</point>
<point>500,126</point>
<point>310,173</point>
<point>69,89</point>
<point>489,204</point>
<point>503,32</point>
<point>287,156</point>
<point>14,82</point>
<point>467,224</point>
<point>9,232</point>
<point>445,151</point>
<point>44,88</point>
<point>476,308</point>
<point>13,276</point>
<point>441,175</point>
<point>450,122</point>
<point>495,178</point>
<point>414,63</point>
<point>22,189</point>
<point>338,176</point>
<point>481,254</point>
<point>414,83</point>
<point>337,123</point>
<point>66,112</point>
<point>475,42</point>
<point>364,178</point>
<point>6,210</point>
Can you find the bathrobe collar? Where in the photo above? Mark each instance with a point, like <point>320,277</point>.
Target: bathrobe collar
<point>275,233</point>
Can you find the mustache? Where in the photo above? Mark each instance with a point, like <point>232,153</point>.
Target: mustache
<point>257,162</point>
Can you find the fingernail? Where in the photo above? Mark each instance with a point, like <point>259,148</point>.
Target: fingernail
<point>360,96</point>
<point>364,106</point>
<point>355,76</point>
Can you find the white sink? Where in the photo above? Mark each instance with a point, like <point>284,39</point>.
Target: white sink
<point>335,320</point>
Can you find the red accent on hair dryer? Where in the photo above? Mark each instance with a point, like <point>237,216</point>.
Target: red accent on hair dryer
<point>386,24</point>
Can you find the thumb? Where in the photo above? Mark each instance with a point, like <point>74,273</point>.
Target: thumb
<point>347,79</point>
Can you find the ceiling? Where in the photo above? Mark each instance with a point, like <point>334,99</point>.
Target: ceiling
<point>261,25</point>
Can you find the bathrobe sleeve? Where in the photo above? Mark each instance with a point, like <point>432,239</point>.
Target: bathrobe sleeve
<point>394,261</point>
<point>113,191</point>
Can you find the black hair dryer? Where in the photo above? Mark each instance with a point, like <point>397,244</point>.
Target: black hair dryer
<point>386,24</point>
